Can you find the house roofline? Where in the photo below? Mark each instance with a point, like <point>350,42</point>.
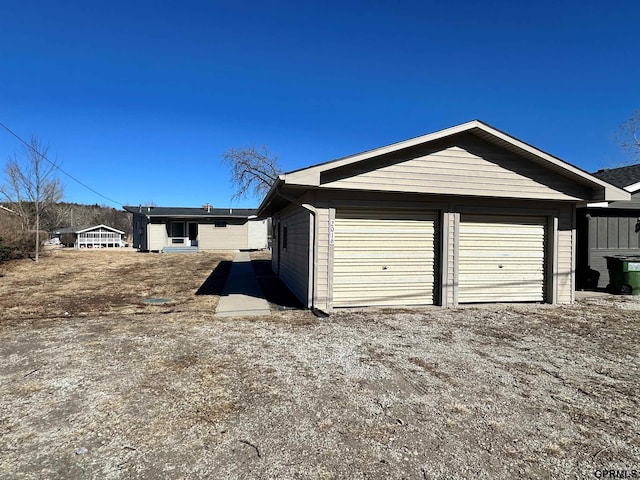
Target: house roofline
<point>102,225</point>
<point>148,212</point>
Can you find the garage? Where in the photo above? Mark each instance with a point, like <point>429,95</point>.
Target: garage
<point>383,258</point>
<point>468,214</point>
<point>501,259</point>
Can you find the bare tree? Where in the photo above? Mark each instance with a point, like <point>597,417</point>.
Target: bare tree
<point>31,186</point>
<point>253,170</point>
<point>629,135</point>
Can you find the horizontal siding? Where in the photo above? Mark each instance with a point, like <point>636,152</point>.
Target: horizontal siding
<point>157,236</point>
<point>451,258</point>
<point>456,170</point>
<point>294,260</point>
<point>257,236</point>
<point>566,256</point>
<point>323,269</point>
<point>232,237</point>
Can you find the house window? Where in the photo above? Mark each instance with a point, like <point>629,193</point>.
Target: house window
<point>177,229</point>
<point>220,224</point>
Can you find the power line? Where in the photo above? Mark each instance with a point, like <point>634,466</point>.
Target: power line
<point>55,165</point>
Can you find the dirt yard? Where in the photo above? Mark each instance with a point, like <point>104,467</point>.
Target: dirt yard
<point>96,383</point>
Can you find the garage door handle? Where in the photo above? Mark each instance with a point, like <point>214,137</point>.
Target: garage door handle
<point>500,266</point>
<point>384,268</point>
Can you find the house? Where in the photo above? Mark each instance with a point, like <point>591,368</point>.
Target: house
<point>98,236</point>
<point>608,228</point>
<point>463,215</point>
<point>165,229</point>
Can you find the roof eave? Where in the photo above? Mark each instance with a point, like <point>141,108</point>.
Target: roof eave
<point>603,191</point>
<point>263,209</point>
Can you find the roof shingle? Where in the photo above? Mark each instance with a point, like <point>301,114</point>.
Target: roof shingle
<point>620,177</point>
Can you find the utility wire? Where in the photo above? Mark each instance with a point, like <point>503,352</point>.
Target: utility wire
<point>115,202</point>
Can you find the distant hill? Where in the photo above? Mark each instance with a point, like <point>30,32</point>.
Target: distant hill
<point>78,216</point>
<point>64,215</point>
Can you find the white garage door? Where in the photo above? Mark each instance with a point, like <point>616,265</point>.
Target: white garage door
<point>501,259</point>
<point>383,258</point>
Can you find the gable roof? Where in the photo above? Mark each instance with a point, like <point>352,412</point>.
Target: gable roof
<point>311,176</point>
<point>102,225</point>
<point>60,231</point>
<point>186,212</point>
<point>627,177</point>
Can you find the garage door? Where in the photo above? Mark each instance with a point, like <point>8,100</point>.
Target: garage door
<point>383,258</point>
<point>501,259</point>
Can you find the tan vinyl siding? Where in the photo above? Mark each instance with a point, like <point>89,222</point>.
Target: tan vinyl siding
<point>294,259</point>
<point>157,236</point>
<point>323,269</point>
<point>450,225</point>
<point>383,258</point>
<point>232,237</point>
<point>471,171</point>
<point>566,256</point>
<point>257,232</point>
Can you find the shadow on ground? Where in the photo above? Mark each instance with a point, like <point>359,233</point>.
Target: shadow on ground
<point>275,291</point>
<point>214,283</point>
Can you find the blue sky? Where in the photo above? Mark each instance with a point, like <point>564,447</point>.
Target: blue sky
<point>139,99</point>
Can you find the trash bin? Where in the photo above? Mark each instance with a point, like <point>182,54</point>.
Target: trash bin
<point>624,274</point>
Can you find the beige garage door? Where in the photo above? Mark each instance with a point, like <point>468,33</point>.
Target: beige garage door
<point>501,259</point>
<point>383,258</point>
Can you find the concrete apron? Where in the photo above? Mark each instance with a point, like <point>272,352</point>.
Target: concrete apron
<point>241,295</point>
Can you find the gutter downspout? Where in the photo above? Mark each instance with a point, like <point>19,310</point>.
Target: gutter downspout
<point>314,263</point>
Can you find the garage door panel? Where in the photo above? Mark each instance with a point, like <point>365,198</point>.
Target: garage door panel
<point>501,259</point>
<point>383,258</point>
<point>386,280</point>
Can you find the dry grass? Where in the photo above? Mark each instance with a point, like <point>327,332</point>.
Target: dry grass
<point>68,283</point>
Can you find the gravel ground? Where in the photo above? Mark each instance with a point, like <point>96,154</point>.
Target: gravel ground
<point>485,392</point>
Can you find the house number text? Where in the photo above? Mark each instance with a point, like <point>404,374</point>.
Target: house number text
<point>332,232</point>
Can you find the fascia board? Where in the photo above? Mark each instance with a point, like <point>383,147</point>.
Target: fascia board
<point>313,172</point>
<point>270,195</point>
<point>632,188</point>
<point>611,192</point>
